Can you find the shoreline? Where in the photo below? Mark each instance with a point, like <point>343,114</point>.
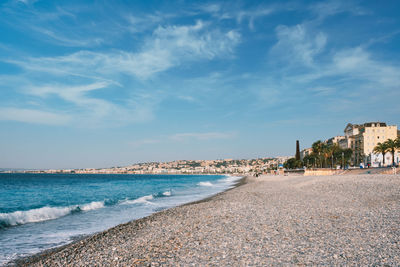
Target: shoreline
<point>269,220</point>
<point>35,258</point>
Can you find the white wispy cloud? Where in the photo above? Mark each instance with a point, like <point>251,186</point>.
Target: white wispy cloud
<point>238,13</point>
<point>180,137</point>
<point>322,90</point>
<point>141,23</point>
<point>26,2</point>
<point>80,104</point>
<point>33,116</point>
<point>353,76</point>
<point>297,43</point>
<point>360,64</point>
<point>74,40</point>
<point>353,65</point>
<point>143,142</point>
<point>167,47</point>
<point>252,15</point>
<point>329,8</point>
<point>78,96</point>
<point>210,8</point>
<point>84,73</point>
<point>201,136</point>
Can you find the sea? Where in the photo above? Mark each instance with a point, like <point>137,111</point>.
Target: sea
<point>43,211</point>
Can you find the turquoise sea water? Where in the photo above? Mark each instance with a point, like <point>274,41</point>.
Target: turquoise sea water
<point>41,211</point>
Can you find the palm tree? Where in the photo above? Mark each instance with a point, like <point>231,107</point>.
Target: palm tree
<point>381,149</point>
<point>391,146</point>
<point>397,142</point>
<point>317,149</point>
<point>327,151</point>
<point>335,153</point>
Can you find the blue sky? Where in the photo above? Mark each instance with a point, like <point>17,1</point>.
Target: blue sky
<point>110,83</point>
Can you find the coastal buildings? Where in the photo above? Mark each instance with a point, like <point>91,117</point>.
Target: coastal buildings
<point>362,139</point>
<point>365,137</point>
<point>340,140</point>
<point>305,152</point>
<point>222,166</point>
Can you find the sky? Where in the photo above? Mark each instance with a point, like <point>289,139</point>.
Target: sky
<point>89,84</point>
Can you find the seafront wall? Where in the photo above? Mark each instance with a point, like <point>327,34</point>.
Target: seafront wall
<point>318,172</point>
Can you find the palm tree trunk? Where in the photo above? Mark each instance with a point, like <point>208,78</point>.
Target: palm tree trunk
<point>392,156</point>
<point>383,155</point>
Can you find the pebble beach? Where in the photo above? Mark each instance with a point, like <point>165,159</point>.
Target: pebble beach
<point>269,220</point>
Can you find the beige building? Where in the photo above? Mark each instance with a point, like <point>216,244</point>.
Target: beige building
<point>305,152</point>
<point>362,138</point>
<point>335,140</point>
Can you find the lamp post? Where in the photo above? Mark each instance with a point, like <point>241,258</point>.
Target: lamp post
<point>319,158</point>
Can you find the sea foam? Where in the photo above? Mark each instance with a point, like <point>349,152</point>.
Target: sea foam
<point>230,179</point>
<point>167,193</point>
<point>92,206</point>
<point>205,184</point>
<point>140,200</point>
<point>44,214</point>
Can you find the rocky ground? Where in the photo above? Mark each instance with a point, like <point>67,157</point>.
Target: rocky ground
<point>271,220</point>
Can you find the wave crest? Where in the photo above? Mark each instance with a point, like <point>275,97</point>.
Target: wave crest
<point>230,179</point>
<point>44,214</point>
<point>167,193</point>
<point>92,206</point>
<point>140,200</point>
<point>205,184</point>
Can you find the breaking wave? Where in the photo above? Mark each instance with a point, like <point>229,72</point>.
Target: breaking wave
<point>230,179</point>
<point>167,193</point>
<point>205,184</point>
<point>140,200</point>
<point>44,214</point>
<point>146,199</point>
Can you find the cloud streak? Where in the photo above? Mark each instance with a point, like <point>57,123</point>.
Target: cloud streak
<point>34,116</point>
<point>294,43</point>
<point>348,75</point>
<point>167,47</point>
<point>200,136</point>
<point>89,72</point>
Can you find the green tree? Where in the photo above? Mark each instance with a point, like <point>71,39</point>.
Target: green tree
<point>397,140</point>
<point>292,163</point>
<point>318,148</point>
<point>391,147</point>
<point>381,148</point>
<point>310,160</point>
<point>325,155</point>
<point>335,153</point>
<point>348,152</point>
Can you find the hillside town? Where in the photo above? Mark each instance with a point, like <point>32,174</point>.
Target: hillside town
<point>357,147</point>
<point>222,166</point>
